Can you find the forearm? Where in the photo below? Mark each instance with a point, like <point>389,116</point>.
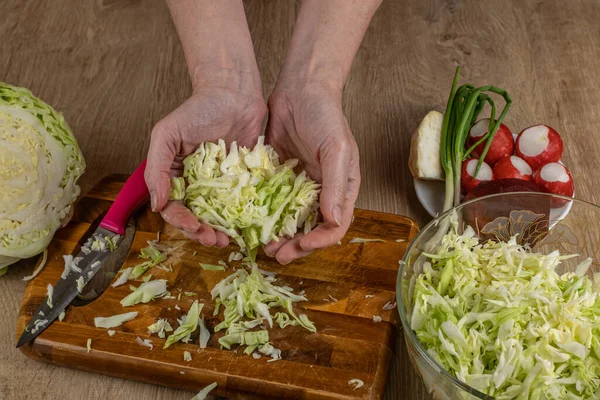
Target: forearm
<point>216,42</point>
<point>326,38</point>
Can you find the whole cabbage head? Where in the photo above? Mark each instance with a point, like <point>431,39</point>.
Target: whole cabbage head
<point>40,163</point>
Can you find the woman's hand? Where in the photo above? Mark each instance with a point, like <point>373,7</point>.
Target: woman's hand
<point>211,113</point>
<point>307,123</point>
<point>227,102</point>
<point>306,119</point>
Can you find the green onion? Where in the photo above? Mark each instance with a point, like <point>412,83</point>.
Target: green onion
<point>464,106</point>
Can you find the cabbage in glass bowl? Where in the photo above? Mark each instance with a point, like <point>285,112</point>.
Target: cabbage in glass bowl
<point>500,299</point>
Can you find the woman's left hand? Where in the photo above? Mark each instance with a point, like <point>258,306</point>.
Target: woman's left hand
<point>307,122</point>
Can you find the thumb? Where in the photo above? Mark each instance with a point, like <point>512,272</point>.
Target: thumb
<point>158,167</point>
<point>335,159</point>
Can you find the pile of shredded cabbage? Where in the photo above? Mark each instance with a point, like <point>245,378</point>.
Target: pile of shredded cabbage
<point>41,163</point>
<point>247,194</point>
<point>250,296</point>
<point>501,319</point>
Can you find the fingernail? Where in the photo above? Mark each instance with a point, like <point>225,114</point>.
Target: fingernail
<point>283,261</point>
<point>269,253</point>
<point>304,246</point>
<point>153,201</point>
<point>192,228</point>
<point>337,215</point>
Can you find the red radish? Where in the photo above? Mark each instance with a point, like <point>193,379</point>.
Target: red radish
<point>512,167</point>
<point>502,145</point>
<point>468,181</point>
<point>539,145</point>
<point>554,178</point>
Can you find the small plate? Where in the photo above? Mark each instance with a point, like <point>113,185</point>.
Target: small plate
<point>431,197</point>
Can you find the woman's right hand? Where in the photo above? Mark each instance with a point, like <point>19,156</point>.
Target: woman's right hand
<point>227,103</point>
<point>211,113</point>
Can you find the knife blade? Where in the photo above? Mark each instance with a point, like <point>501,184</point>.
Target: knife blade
<point>101,280</point>
<point>92,257</point>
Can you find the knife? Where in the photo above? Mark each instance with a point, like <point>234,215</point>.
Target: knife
<point>99,249</point>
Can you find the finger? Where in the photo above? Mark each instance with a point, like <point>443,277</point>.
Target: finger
<point>222,239</point>
<point>161,155</point>
<point>335,158</point>
<point>176,214</point>
<point>291,251</point>
<point>205,235</point>
<point>326,235</point>
<point>273,246</point>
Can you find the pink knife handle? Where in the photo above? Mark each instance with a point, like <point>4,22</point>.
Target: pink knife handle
<point>130,198</point>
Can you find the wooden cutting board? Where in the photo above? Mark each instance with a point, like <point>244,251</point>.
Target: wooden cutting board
<point>346,286</point>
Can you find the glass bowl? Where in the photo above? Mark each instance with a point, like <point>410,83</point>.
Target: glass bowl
<point>544,222</point>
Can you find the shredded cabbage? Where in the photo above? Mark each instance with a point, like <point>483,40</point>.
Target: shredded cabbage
<point>115,320</point>
<point>247,194</point>
<point>177,189</point>
<point>146,292</point>
<point>254,338</point>
<point>204,392</point>
<point>153,256</point>
<point>204,334</point>
<point>123,278</point>
<point>41,163</point>
<point>49,295</point>
<point>363,240</point>
<point>80,284</point>
<point>499,317</point>
<point>160,327</point>
<point>270,351</point>
<point>37,270</point>
<point>247,298</point>
<point>356,383</point>
<point>235,256</point>
<point>212,267</point>
<point>188,325</point>
<point>145,342</point>
<point>252,295</point>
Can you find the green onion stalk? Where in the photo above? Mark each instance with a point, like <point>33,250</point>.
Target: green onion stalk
<point>464,106</point>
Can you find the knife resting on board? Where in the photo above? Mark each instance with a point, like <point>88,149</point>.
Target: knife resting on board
<point>101,246</point>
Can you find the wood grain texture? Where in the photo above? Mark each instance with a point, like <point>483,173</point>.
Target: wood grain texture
<point>348,344</point>
<point>115,67</point>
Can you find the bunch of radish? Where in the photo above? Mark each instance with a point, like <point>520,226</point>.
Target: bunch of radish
<point>534,156</point>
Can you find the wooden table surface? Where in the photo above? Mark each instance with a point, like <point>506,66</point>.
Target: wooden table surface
<point>115,67</point>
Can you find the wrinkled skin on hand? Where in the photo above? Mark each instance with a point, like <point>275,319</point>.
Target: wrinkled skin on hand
<point>208,115</point>
<point>309,124</point>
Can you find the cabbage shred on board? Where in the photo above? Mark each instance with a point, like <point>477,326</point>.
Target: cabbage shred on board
<point>41,163</point>
<point>247,193</point>
<point>498,317</point>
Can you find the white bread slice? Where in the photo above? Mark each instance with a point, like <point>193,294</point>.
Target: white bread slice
<point>424,160</point>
